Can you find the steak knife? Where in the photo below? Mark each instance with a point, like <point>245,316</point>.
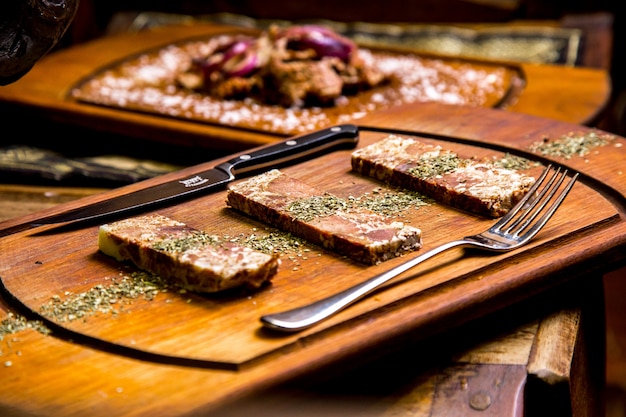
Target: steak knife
<point>281,153</point>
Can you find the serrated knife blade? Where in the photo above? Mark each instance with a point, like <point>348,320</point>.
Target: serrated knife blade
<point>283,152</point>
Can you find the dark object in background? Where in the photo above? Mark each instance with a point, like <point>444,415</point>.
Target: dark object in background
<point>28,30</point>
<point>21,163</point>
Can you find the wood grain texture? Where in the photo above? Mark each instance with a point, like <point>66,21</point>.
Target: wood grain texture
<point>217,346</point>
<point>551,358</point>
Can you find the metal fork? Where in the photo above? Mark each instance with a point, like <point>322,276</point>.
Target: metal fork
<point>513,230</point>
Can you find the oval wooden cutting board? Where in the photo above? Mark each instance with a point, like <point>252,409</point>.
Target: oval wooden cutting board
<point>141,372</point>
<point>224,331</point>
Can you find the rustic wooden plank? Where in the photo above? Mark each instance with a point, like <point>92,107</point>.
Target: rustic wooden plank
<point>554,346</point>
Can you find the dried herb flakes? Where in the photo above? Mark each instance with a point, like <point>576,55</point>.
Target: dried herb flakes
<point>14,323</point>
<point>105,298</point>
<point>572,144</point>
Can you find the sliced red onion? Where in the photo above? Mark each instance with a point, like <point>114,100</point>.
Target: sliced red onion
<point>241,65</point>
<point>237,48</point>
<point>322,40</point>
<point>236,59</point>
<point>211,65</point>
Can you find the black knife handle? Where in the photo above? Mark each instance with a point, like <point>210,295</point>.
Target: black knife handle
<point>293,149</point>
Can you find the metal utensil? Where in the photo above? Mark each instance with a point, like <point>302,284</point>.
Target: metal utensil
<point>513,230</point>
<point>289,150</point>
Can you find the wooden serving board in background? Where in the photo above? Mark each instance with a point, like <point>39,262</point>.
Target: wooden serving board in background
<point>217,343</point>
<point>552,91</point>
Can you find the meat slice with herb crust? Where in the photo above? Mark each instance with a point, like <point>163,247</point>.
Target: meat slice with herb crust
<point>478,187</point>
<point>195,260</point>
<point>322,218</point>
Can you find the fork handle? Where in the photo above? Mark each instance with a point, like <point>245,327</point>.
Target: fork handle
<point>302,317</point>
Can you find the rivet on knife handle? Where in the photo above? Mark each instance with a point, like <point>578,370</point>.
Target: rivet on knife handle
<point>293,149</point>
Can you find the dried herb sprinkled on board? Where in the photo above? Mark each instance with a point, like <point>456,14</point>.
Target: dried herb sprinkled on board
<point>14,323</point>
<point>514,162</point>
<point>105,298</point>
<point>572,144</point>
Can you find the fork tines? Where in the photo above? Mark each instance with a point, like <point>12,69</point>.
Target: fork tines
<point>535,202</point>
